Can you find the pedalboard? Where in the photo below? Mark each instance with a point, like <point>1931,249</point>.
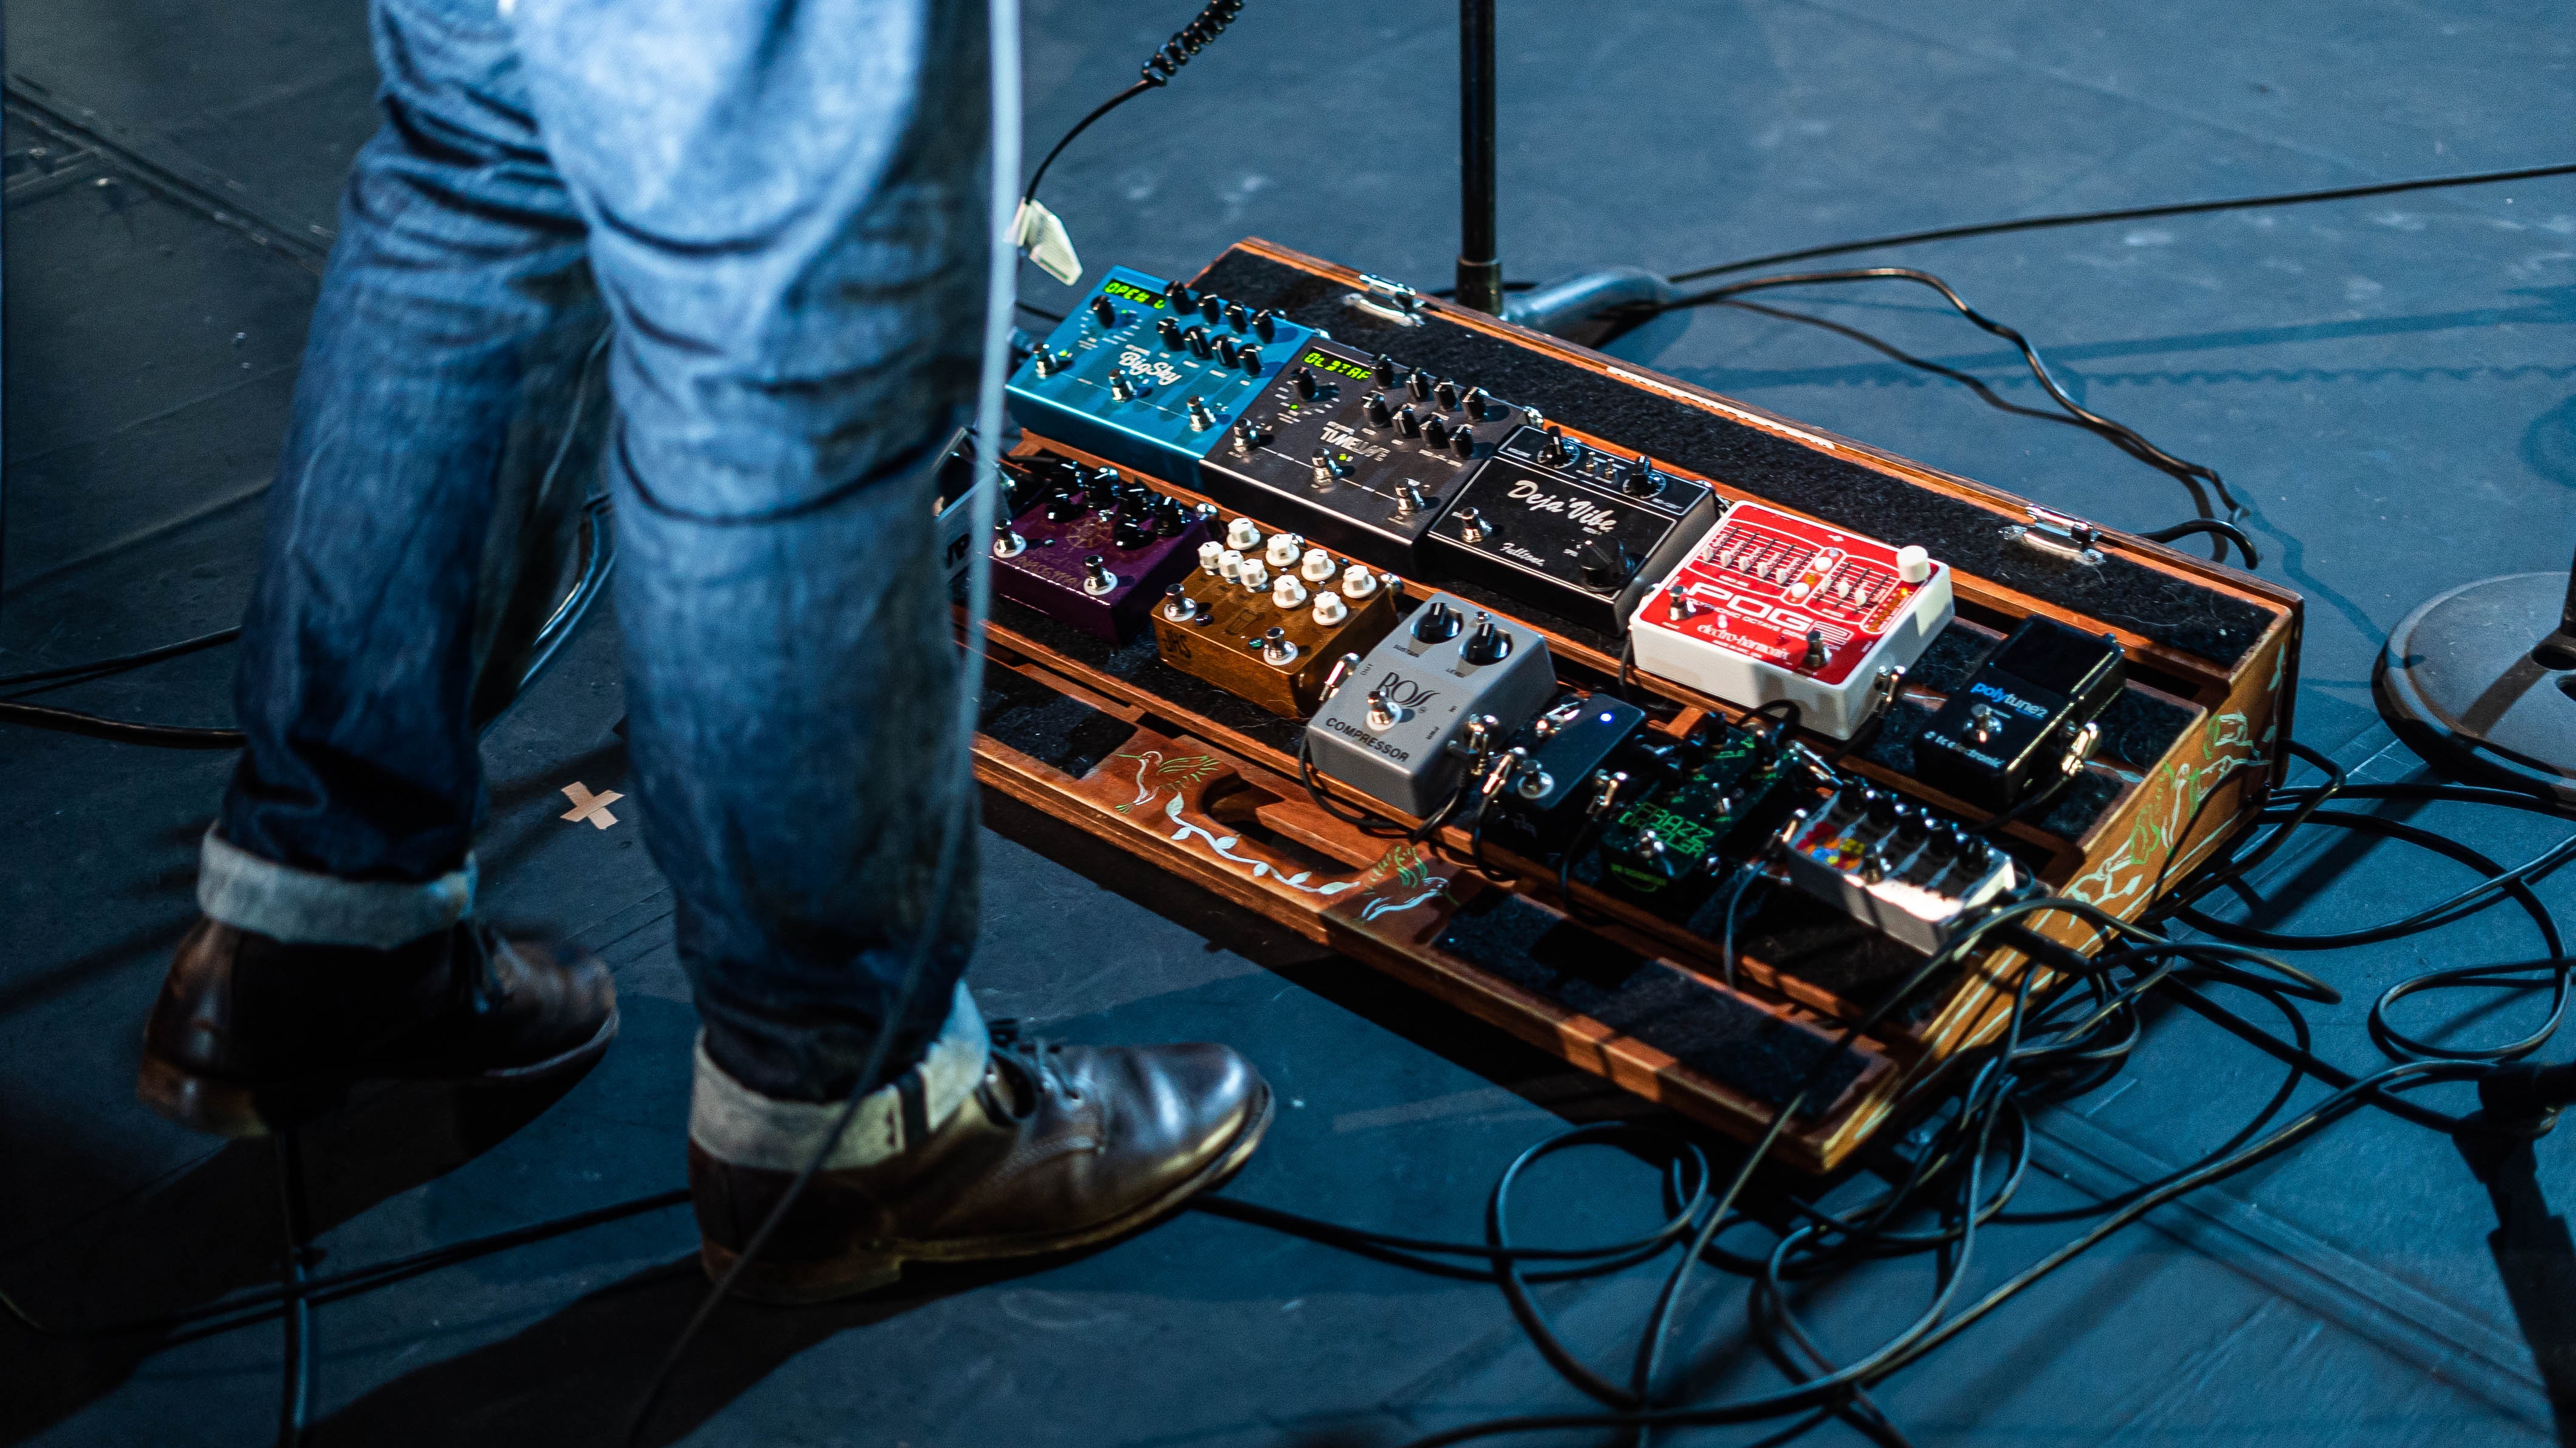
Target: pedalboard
<point>1150,374</point>
<point>1095,551</point>
<point>1357,452</point>
<point>1267,618</point>
<point>1774,606</point>
<point>2025,718</point>
<point>1899,868</point>
<point>1712,803</point>
<point>1386,731</point>
<point>1572,529</point>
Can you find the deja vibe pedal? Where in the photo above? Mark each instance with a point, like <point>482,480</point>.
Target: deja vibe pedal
<point>1150,374</point>
<point>1775,606</point>
<point>1570,529</point>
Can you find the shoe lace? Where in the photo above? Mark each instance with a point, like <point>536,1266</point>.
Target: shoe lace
<point>1032,1058</point>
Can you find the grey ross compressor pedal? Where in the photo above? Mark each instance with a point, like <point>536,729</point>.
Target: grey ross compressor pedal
<point>1386,730</point>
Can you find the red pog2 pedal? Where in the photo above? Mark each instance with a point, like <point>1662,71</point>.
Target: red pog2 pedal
<point>1774,606</point>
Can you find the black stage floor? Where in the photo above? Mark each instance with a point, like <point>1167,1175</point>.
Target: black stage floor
<point>2387,382</point>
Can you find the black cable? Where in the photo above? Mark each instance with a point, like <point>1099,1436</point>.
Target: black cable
<point>1039,312</point>
<point>2131,213</point>
<point>119,731</point>
<point>1156,72</point>
<point>101,668</point>
<point>2119,435</point>
<point>2216,527</point>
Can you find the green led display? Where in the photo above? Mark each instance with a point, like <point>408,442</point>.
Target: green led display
<point>1136,294</point>
<point>1336,364</point>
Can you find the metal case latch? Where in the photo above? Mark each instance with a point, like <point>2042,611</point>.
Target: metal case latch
<point>2059,536</point>
<point>1388,301</point>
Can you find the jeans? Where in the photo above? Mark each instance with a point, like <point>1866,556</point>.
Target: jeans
<point>764,221</point>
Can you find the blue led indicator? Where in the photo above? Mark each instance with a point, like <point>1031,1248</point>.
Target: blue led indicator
<point>1609,718</point>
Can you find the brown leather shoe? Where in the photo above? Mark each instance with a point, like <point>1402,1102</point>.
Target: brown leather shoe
<point>1059,1147</point>
<point>253,1034</point>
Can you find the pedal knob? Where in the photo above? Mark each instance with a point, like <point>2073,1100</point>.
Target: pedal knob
<point>1913,563</point>
<point>1197,337</point>
<point>1438,624</point>
<point>1330,610</point>
<point>1106,313</point>
<point>1642,480</point>
<point>1304,382</point>
<point>1553,450</point>
<point>1446,394</point>
<point>1253,577</point>
<point>1248,357</point>
<point>1408,424</point>
<point>1357,582</point>
<point>1463,443</point>
<point>1880,806</point>
<point>1480,404</point>
<point>1171,520</point>
<point>1265,325</point>
<point>1604,563</point>
<point>1316,566</point>
<point>1170,331</point>
<point>1487,645</point>
<point>1471,525</point>
<point>1435,431</point>
<point>1227,352</point>
<point>1096,577</point>
<point>1419,384</point>
<point>1212,307</point>
<point>1376,410</point>
<point>1383,370</point>
<point>1284,549</point>
<point>1200,418</point>
<point>1209,554</point>
<point>1243,533</point>
<point>1237,316</point>
<point>1229,565</point>
<point>1276,649</point>
<point>1288,592</point>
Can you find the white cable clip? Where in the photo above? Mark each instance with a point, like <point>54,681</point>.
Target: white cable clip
<point>1041,237</point>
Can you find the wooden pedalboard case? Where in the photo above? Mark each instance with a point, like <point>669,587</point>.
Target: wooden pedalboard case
<point>1205,785</point>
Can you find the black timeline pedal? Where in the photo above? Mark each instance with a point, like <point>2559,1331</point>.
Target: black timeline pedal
<point>1357,452</point>
<point>1577,531</point>
<point>2025,718</point>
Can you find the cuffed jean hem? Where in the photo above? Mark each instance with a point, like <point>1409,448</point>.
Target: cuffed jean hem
<point>303,907</point>
<point>733,1123</point>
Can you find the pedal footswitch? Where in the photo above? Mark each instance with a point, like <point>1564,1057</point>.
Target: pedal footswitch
<point>2025,718</point>
<point>1896,867</point>
<point>1386,732</point>
<point>1775,606</point>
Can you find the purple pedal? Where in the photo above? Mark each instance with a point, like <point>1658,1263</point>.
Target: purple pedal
<point>1096,552</point>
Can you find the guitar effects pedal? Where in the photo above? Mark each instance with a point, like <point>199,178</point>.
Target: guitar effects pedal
<point>1266,619</point>
<point>1387,730</point>
<point>1571,529</point>
<point>1775,606</point>
<point>1096,552</point>
<point>1150,374</point>
<point>1707,807</point>
<point>1899,868</point>
<point>1548,783</point>
<point>2026,716</point>
<point>1357,452</point>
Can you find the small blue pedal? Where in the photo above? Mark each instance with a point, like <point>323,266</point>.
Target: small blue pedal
<point>1150,375</point>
